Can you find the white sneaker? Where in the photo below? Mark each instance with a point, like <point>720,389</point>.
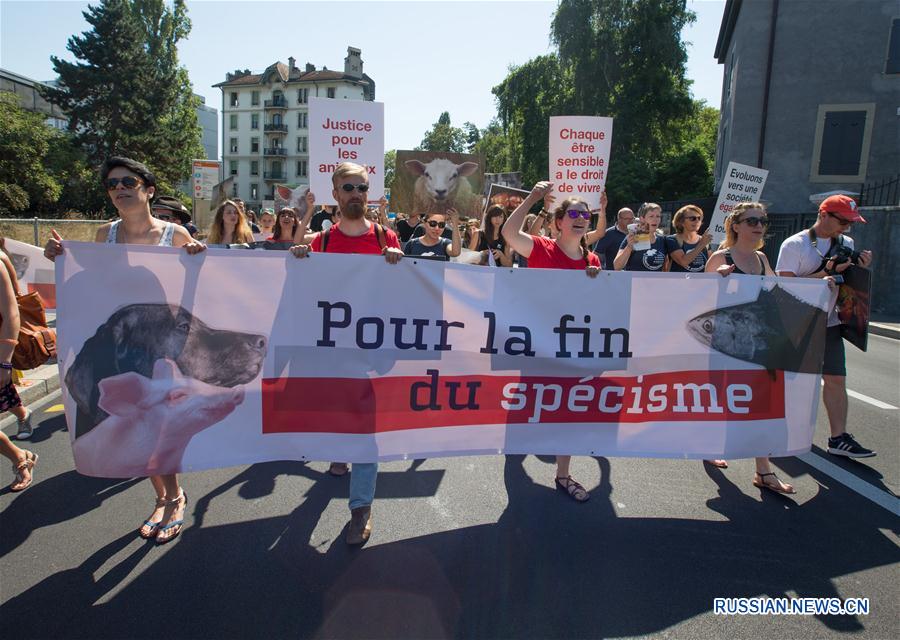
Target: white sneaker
<point>25,428</point>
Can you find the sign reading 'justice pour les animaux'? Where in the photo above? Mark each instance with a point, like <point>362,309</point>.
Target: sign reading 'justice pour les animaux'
<point>175,363</point>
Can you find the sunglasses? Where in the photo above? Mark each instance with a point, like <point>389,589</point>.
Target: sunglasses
<point>362,188</point>
<point>575,213</point>
<point>754,222</point>
<point>435,224</point>
<point>129,182</point>
<point>692,218</point>
<point>841,221</point>
<point>164,217</point>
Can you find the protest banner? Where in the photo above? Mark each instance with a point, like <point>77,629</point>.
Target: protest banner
<point>507,197</point>
<point>509,179</point>
<point>853,304</point>
<point>742,183</point>
<point>205,178</point>
<point>34,271</point>
<point>436,181</point>
<point>345,357</point>
<point>579,156</point>
<point>345,131</point>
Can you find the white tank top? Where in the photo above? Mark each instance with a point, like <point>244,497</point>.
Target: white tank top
<point>164,241</point>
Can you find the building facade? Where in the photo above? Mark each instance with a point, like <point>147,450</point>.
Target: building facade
<point>810,92</point>
<point>208,117</point>
<point>265,128</point>
<point>31,100</point>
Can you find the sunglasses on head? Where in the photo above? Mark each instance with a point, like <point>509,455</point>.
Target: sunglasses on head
<point>841,221</point>
<point>362,188</point>
<point>435,224</point>
<point>754,222</point>
<point>129,182</point>
<point>575,213</point>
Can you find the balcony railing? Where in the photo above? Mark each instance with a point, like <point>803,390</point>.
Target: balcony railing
<point>277,151</point>
<point>276,103</point>
<point>275,128</point>
<point>274,175</point>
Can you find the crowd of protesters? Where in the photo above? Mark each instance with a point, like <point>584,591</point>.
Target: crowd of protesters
<point>559,236</point>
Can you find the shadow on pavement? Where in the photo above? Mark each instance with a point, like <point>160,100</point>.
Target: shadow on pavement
<point>548,568</point>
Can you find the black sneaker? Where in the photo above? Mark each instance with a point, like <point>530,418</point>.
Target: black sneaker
<point>845,445</point>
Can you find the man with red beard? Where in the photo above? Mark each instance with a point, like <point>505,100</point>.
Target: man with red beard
<point>355,234</point>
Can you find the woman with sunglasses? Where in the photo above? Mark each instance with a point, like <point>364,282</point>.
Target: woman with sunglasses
<point>290,228</point>
<point>229,225</point>
<point>572,219</point>
<point>131,186</point>
<point>650,258</point>
<point>687,249</point>
<point>490,240</point>
<point>433,245</point>
<point>745,231</point>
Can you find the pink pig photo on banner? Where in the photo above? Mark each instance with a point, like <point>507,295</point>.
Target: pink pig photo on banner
<point>579,157</point>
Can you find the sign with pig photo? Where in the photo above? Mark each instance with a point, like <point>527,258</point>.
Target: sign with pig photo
<point>436,181</point>
<point>173,363</point>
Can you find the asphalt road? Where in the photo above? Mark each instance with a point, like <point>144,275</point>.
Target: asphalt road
<point>478,547</point>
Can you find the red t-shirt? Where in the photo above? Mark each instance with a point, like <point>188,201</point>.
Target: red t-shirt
<point>546,254</point>
<point>366,243</point>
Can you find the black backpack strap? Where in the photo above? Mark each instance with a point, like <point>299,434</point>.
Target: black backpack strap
<point>728,259</point>
<point>762,265</point>
<point>325,235</point>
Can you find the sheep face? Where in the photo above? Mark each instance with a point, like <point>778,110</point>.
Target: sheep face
<point>440,177</point>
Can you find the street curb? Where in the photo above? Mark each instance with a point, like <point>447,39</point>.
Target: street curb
<point>886,330</point>
<point>39,389</point>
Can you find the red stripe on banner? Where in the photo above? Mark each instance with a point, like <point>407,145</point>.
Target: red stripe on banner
<point>365,406</point>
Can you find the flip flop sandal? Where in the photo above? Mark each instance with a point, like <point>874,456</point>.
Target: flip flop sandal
<point>172,525</point>
<point>26,464</point>
<point>762,484</point>
<point>153,527</point>
<point>574,489</point>
<point>338,469</point>
<point>718,464</point>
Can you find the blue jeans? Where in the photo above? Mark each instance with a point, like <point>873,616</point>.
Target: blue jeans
<point>362,484</point>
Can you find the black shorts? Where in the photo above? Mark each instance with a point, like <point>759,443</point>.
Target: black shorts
<point>835,360</point>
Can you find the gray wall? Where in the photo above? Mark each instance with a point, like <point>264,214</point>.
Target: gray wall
<point>826,52</point>
<point>881,235</point>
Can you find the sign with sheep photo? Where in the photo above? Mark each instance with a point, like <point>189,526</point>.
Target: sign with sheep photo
<point>436,181</point>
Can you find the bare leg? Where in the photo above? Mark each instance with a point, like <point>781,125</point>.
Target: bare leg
<point>15,455</point>
<point>763,469</point>
<point>562,466</point>
<point>174,507</point>
<point>19,412</point>
<point>834,395</point>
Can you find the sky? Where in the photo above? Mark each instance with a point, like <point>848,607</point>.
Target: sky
<point>425,57</point>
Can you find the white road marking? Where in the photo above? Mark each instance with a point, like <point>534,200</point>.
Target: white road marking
<point>852,482</point>
<point>872,401</point>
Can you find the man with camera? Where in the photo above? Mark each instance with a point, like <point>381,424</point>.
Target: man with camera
<point>822,251</point>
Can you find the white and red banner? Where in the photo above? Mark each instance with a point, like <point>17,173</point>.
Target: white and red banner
<point>345,131</point>
<point>34,271</point>
<point>579,156</point>
<point>742,183</point>
<point>173,362</point>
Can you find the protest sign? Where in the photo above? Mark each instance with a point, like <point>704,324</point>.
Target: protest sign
<point>205,175</point>
<point>579,156</point>
<point>742,183</point>
<point>436,181</point>
<point>506,197</point>
<point>34,271</point>
<point>509,179</point>
<point>853,304</point>
<point>346,357</point>
<point>345,131</point>
<point>291,195</point>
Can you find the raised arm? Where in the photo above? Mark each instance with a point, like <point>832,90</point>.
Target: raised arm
<point>686,258</point>
<point>592,236</point>
<point>303,225</point>
<point>516,239</point>
<point>455,238</point>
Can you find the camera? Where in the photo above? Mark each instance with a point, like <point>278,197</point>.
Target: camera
<point>843,253</point>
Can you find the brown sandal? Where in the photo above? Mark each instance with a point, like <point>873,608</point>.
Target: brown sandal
<point>338,469</point>
<point>762,484</point>
<point>27,464</point>
<point>571,487</point>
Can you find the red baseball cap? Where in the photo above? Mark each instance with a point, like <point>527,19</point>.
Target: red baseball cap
<point>842,206</point>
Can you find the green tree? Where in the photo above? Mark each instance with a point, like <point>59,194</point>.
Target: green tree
<point>24,143</point>
<point>444,137</point>
<point>127,93</point>
<point>390,162</point>
<point>493,146</point>
<point>526,99</point>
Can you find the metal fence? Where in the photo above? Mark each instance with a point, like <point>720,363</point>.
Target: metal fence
<point>885,193</point>
<point>36,231</point>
